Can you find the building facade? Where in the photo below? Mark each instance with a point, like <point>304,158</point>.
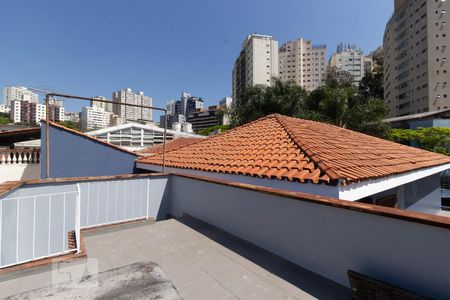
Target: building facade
<point>133,136</point>
<point>178,110</point>
<point>11,93</point>
<point>204,118</point>
<point>303,63</point>
<point>105,106</point>
<point>4,109</point>
<point>257,63</point>
<point>93,118</point>
<point>213,116</point>
<point>349,59</point>
<point>28,112</point>
<point>226,102</point>
<point>416,51</point>
<point>129,112</point>
<point>72,117</point>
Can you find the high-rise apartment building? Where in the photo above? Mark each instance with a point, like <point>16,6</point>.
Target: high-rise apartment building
<point>11,93</point>
<point>129,112</point>
<point>72,117</point>
<point>93,118</point>
<point>257,64</point>
<point>30,112</point>
<point>349,59</point>
<point>303,63</point>
<point>106,106</point>
<point>416,52</point>
<point>226,102</point>
<point>178,111</point>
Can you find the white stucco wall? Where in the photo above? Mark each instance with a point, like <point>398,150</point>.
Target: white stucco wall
<point>19,172</point>
<point>325,239</point>
<point>409,188</point>
<point>426,189</point>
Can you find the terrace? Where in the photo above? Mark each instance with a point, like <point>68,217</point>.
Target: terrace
<point>222,239</point>
<point>201,261</point>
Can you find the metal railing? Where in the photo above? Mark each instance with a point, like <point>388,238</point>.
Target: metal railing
<point>35,227</point>
<point>109,202</point>
<point>38,225</point>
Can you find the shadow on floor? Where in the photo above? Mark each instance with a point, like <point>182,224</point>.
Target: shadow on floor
<point>312,283</point>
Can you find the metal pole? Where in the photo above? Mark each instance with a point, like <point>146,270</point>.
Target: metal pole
<point>47,137</point>
<point>164,141</point>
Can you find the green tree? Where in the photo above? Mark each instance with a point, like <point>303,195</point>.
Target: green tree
<point>436,139</point>
<point>71,125</point>
<point>338,102</point>
<point>372,84</point>
<point>338,78</point>
<point>259,101</point>
<point>209,130</point>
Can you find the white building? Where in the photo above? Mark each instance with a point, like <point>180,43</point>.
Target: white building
<point>11,93</point>
<point>94,118</point>
<point>349,59</point>
<point>27,112</point>
<point>106,106</point>
<point>226,102</point>
<point>4,109</point>
<point>134,136</point>
<point>129,112</point>
<point>257,64</point>
<point>303,63</point>
<point>72,117</point>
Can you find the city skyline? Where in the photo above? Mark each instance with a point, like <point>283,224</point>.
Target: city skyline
<point>87,57</point>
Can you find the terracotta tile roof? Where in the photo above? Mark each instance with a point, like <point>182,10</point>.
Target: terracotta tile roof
<point>171,145</point>
<point>281,147</point>
<point>88,136</point>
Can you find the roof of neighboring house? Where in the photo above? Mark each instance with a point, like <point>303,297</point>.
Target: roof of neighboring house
<point>140,126</point>
<point>282,147</point>
<point>89,137</point>
<point>19,135</point>
<point>417,116</point>
<point>170,145</point>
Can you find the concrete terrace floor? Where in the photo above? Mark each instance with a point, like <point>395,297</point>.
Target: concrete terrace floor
<point>201,261</point>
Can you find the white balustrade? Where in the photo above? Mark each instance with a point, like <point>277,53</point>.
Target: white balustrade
<point>19,156</point>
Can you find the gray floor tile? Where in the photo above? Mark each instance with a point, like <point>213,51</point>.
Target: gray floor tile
<point>233,277</point>
<point>263,290</point>
<point>204,288</point>
<point>183,273</point>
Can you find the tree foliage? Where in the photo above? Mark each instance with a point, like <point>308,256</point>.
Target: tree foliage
<point>338,102</point>
<point>260,101</point>
<point>372,84</point>
<point>211,129</point>
<point>4,118</point>
<point>436,139</point>
<point>70,125</point>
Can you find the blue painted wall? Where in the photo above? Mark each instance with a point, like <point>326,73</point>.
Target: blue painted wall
<point>73,155</point>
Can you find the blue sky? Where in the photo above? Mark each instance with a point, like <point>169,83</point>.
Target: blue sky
<point>163,47</point>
